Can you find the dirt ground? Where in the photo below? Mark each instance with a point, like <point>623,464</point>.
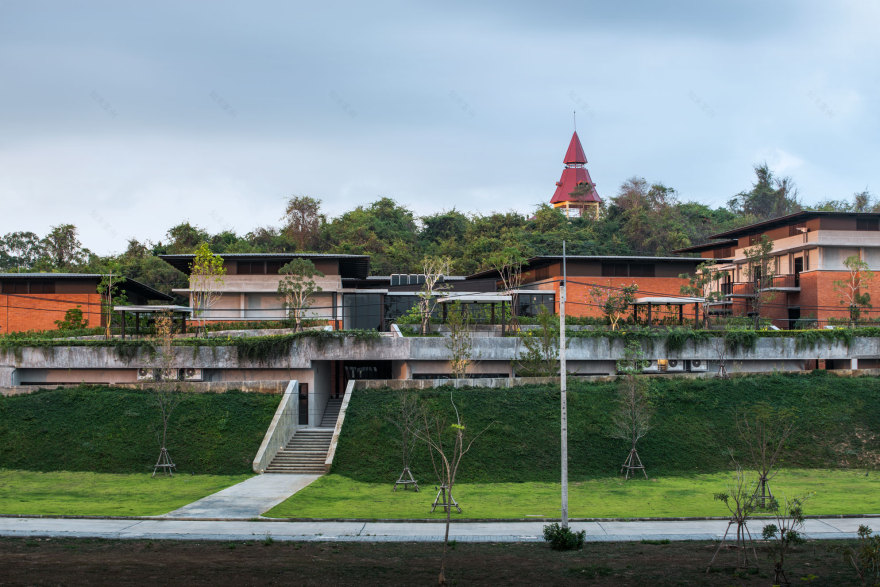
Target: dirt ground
<point>105,562</point>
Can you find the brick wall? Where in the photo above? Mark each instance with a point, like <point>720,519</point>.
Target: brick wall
<point>21,312</point>
<point>828,299</point>
<point>817,299</point>
<point>579,302</point>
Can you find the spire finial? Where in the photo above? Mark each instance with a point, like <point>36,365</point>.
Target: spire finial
<point>574,119</point>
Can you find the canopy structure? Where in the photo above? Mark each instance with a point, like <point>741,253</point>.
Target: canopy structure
<point>491,299</point>
<point>680,303</point>
<point>178,313</point>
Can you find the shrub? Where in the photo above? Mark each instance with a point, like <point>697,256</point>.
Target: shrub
<point>73,320</point>
<point>563,538</point>
<point>865,558</point>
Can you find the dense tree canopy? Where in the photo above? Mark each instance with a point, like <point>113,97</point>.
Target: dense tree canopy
<point>642,218</point>
<point>769,197</point>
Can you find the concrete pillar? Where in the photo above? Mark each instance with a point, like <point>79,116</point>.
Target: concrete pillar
<point>7,377</point>
<point>319,392</point>
<point>853,363</point>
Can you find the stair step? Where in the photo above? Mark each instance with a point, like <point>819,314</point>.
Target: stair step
<point>306,451</point>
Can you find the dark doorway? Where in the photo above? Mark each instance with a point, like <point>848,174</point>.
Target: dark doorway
<point>365,370</point>
<point>798,268</point>
<point>794,316</point>
<point>303,404</point>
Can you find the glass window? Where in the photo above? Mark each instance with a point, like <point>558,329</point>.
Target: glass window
<point>362,311</point>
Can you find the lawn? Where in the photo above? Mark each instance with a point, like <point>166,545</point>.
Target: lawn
<point>103,494</point>
<point>831,492</point>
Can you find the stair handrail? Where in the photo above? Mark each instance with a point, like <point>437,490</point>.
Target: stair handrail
<point>281,429</point>
<point>331,452</point>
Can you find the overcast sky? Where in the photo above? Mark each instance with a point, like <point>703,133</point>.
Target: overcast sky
<point>125,118</point>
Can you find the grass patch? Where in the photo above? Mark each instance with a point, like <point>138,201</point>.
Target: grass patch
<point>334,496</point>
<point>109,430</point>
<point>102,494</point>
<point>694,428</point>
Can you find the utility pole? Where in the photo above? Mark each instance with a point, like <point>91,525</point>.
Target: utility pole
<point>562,386</point>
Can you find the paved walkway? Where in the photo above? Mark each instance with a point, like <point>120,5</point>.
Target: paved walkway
<point>179,529</point>
<point>245,500</point>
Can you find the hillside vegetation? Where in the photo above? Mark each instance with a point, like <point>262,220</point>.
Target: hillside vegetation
<point>694,428</point>
<point>115,431</point>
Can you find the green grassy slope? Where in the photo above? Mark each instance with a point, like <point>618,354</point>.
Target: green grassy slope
<point>115,431</point>
<point>694,428</point>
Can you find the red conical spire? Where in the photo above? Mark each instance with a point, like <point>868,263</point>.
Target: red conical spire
<point>574,175</point>
<point>575,153</point>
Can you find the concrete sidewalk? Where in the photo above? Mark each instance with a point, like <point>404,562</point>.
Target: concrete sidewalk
<point>245,500</point>
<point>362,531</point>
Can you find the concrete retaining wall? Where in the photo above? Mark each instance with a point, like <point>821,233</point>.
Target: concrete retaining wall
<point>281,430</point>
<point>268,387</point>
<point>590,355</point>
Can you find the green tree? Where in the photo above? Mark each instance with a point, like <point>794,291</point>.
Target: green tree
<point>20,251</point>
<point>384,230</point>
<point>444,235</point>
<point>206,280</point>
<point>296,287</point>
<point>185,238</point>
<point>613,301</point>
<point>862,201</point>
<point>769,197</point>
<point>851,290</point>
<point>302,221</point>
<point>785,533</point>
<point>63,248</point>
<point>139,263</point>
<point>648,217</point>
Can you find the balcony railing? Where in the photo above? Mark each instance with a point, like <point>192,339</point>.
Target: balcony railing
<point>747,289</point>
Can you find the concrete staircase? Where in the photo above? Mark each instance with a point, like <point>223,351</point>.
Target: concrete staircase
<point>331,413</point>
<point>306,452</point>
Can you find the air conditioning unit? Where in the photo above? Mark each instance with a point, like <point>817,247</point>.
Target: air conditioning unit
<point>191,374</point>
<point>169,374</point>
<point>653,367</point>
<point>698,365</point>
<point>146,375</point>
<point>675,366</point>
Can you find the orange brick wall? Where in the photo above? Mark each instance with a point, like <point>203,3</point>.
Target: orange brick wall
<point>21,312</point>
<point>821,293</point>
<point>817,299</point>
<point>579,303</point>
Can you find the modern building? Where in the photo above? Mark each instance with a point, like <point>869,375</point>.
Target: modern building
<point>658,279</point>
<point>249,290</point>
<point>349,297</point>
<point>575,191</point>
<point>34,301</point>
<point>808,255</point>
